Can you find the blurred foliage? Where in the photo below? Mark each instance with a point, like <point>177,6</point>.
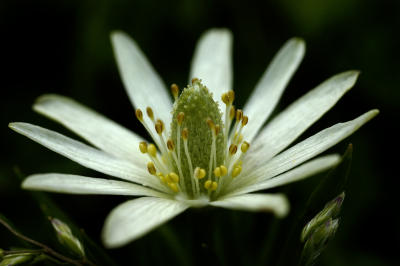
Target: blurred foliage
<point>63,47</point>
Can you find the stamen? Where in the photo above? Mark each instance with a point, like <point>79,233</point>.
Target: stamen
<point>174,177</point>
<point>152,150</point>
<point>180,117</point>
<point>199,173</point>
<point>143,147</point>
<point>210,185</point>
<point>139,115</point>
<point>162,178</point>
<point>232,149</point>
<point>245,120</point>
<point>236,171</point>
<point>245,146</point>
<point>185,134</point>
<point>217,172</point>
<point>170,144</point>
<point>224,170</point>
<point>239,115</point>
<point>174,187</point>
<point>151,168</point>
<point>159,126</point>
<point>175,91</point>
<point>150,113</point>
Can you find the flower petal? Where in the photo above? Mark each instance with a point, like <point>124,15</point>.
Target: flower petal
<point>87,156</point>
<point>212,62</point>
<point>299,173</point>
<point>308,148</point>
<point>293,121</point>
<point>276,203</point>
<point>135,218</point>
<point>271,85</point>
<point>144,86</point>
<point>95,128</point>
<point>75,184</point>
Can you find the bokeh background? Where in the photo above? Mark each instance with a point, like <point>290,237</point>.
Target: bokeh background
<point>63,47</point>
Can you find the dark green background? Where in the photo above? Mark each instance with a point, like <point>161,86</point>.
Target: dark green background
<point>63,47</point>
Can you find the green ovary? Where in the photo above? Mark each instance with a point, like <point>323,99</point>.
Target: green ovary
<point>197,104</point>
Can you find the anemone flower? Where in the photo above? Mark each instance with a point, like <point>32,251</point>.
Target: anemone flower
<point>200,153</point>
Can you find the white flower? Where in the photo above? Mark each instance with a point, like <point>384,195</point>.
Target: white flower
<point>200,161</point>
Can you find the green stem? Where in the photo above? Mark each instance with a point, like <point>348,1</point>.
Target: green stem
<point>45,248</point>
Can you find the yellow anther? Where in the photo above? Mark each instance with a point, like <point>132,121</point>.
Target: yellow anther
<point>199,173</point>
<point>170,144</point>
<point>194,80</point>
<point>225,98</point>
<point>180,117</point>
<point>232,149</point>
<point>236,171</point>
<point>139,115</point>
<point>185,133</point>
<point>161,177</point>
<point>224,170</point>
<point>239,115</point>
<point>245,146</point>
<point>175,90</point>
<point>151,168</point>
<point>217,171</point>
<point>174,187</point>
<point>210,124</point>
<point>152,150</point>
<point>143,147</point>
<point>208,184</point>
<point>232,112</point>
<point>214,186</point>
<point>245,120</point>
<point>168,178</point>
<point>174,177</point>
<point>231,95</point>
<point>150,113</point>
<point>159,126</point>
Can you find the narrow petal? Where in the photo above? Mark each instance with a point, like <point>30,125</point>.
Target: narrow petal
<point>309,147</point>
<point>271,85</point>
<point>135,218</point>
<point>301,172</point>
<point>95,128</point>
<point>87,156</point>
<point>276,203</point>
<point>75,184</point>
<point>212,62</point>
<point>300,115</point>
<point>144,86</point>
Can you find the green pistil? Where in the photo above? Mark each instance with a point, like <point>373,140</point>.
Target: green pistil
<point>197,104</point>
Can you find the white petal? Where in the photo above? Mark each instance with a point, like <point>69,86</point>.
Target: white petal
<point>86,155</point>
<point>276,203</point>
<point>95,128</point>
<point>299,173</point>
<point>212,62</point>
<point>144,86</point>
<point>310,147</point>
<point>75,184</point>
<point>271,85</point>
<point>135,218</point>
<point>293,121</point>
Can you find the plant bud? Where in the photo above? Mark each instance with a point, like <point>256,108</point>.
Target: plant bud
<point>66,238</point>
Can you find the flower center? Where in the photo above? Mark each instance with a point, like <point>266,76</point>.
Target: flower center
<point>199,151</point>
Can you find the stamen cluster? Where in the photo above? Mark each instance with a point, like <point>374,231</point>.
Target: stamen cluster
<point>200,156</point>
